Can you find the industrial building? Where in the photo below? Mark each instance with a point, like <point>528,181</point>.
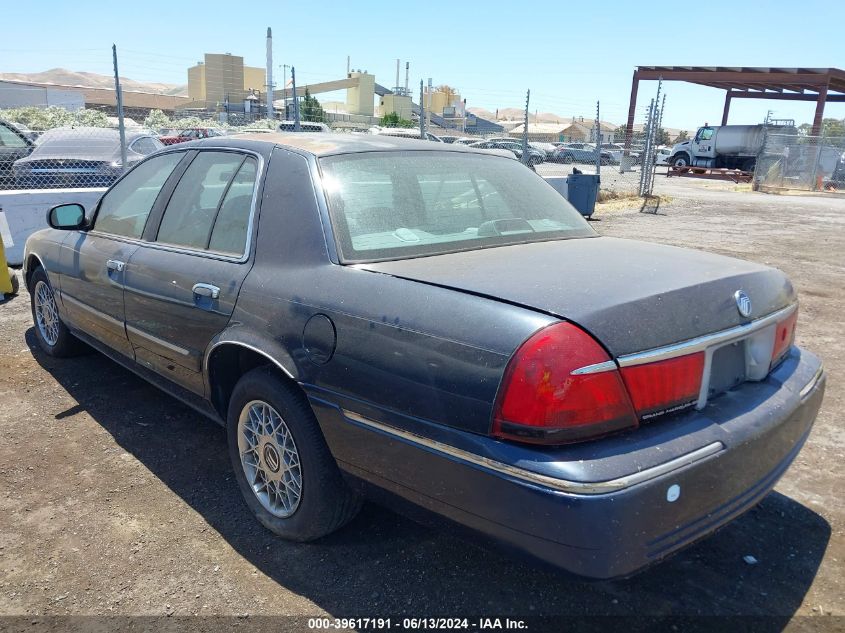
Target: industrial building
<point>222,81</point>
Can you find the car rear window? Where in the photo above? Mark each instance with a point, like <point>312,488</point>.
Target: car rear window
<point>396,205</point>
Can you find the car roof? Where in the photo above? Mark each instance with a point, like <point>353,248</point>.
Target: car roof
<point>327,144</point>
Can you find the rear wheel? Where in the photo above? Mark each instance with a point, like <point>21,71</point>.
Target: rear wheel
<point>53,336</point>
<point>567,158</point>
<point>283,466</point>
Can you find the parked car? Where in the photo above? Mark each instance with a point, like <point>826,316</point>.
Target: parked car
<point>81,157</point>
<point>304,126</point>
<point>587,154</point>
<point>574,145</point>
<point>418,323</point>
<point>617,151</point>
<point>191,134</point>
<point>535,157</point>
<point>255,130</point>
<point>662,156</point>
<point>541,147</point>
<point>404,132</point>
<point>14,145</point>
<point>547,148</point>
<point>468,140</point>
<point>449,139</point>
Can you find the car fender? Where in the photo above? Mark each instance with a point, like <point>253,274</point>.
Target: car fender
<point>265,346</point>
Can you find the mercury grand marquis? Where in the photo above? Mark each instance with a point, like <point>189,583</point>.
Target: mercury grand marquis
<point>383,318</point>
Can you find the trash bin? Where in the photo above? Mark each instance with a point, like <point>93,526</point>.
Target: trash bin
<point>582,192</point>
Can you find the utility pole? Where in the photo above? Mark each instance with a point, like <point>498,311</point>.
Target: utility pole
<point>428,109</point>
<point>422,112</point>
<point>598,139</point>
<point>119,96</point>
<point>285,89</point>
<point>525,129</point>
<point>270,114</point>
<point>296,127</point>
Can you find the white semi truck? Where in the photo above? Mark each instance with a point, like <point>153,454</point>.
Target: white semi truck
<point>728,146</point>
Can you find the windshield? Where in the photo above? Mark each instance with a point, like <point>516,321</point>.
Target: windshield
<point>397,205</point>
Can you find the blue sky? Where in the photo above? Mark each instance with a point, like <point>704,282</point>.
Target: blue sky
<point>568,54</point>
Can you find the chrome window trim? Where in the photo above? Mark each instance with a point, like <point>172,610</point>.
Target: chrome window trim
<point>703,342</point>
<point>561,485</point>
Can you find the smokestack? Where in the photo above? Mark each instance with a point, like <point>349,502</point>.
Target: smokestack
<point>397,74</point>
<point>407,70</point>
<point>347,65</point>
<point>269,93</point>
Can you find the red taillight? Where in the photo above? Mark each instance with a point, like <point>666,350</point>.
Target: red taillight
<point>784,336</point>
<point>665,385</point>
<point>541,399</point>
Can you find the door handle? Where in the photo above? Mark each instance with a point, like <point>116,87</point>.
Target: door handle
<point>115,265</point>
<point>206,290</point>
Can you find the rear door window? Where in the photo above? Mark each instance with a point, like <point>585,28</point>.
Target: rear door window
<point>217,188</point>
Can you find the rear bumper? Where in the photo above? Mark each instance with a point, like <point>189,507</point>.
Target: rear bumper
<point>715,465</point>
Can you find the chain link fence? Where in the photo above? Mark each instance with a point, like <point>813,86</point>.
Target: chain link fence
<point>809,163</point>
<point>62,147</point>
<point>623,159</point>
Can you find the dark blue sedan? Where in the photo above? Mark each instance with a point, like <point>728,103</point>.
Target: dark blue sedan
<point>436,328</point>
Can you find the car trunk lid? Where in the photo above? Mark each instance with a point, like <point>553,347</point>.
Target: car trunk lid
<point>632,296</point>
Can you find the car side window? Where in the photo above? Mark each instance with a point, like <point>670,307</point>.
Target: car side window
<point>232,223</point>
<point>190,214</point>
<point>124,208</point>
<point>9,139</point>
<point>144,145</point>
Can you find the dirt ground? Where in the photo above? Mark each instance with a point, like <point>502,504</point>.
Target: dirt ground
<point>116,499</point>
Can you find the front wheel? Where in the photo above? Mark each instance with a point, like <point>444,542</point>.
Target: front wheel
<point>681,160</point>
<point>283,466</point>
<point>53,336</point>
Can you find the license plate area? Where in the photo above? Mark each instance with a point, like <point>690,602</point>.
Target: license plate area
<point>727,368</point>
<point>730,364</point>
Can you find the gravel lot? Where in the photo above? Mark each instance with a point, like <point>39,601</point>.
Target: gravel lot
<point>116,499</point>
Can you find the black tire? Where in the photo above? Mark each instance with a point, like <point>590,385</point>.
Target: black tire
<point>567,159</point>
<point>14,279</point>
<point>749,164</point>
<point>681,159</point>
<point>326,503</point>
<point>65,343</point>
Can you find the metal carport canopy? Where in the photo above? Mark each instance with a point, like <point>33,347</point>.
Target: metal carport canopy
<point>740,82</point>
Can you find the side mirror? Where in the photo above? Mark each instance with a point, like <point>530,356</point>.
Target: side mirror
<point>67,217</point>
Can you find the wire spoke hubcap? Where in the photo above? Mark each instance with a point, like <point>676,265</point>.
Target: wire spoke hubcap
<point>46,313</point>
<point>269,458</point>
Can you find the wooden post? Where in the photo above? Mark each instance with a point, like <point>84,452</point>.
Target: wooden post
<point>632,110</point>
<point>728,96</point>
<point>817,120</point>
